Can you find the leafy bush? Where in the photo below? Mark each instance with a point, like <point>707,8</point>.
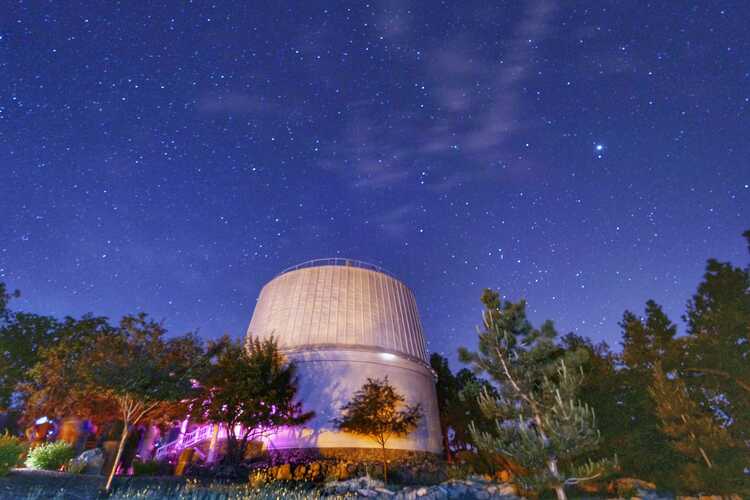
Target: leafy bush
<point>151,468</point>
<point>10,451</point>
<point>75,466</point>
<point>50,456</point>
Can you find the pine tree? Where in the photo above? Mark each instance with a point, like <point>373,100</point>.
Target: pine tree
<point>716,352</point>
<point>458,403</point>
<point>693,432</point>
<point>642,447</point>
<point>539,422</point>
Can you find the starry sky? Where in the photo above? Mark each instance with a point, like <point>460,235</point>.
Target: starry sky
<point>172,157</point>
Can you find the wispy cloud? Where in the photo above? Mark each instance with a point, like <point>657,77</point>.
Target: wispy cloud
<point>367,155</point>
<point>397,221</point>
<point>489,91</point>
<point>478,107</point>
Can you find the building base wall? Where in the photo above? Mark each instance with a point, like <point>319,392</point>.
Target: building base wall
<point>328,377</point>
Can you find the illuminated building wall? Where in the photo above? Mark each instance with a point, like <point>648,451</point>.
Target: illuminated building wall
<point>343,321</point>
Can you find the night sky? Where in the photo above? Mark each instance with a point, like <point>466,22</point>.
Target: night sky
<point>173,157</point>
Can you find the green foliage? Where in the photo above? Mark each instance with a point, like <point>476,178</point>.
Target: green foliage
<point>539,422</point>
<point>710,456</point>
<point>149,468</point>
<point>49,456</point>
<point>715,355</point>
<point>253,387</point>
<point>379,412</point>
<point>457,403</point>
<point>75,466</point>
<point>58,385</point>
<point>11,449</point>
<point>636,435</point>
<point>22,337</point>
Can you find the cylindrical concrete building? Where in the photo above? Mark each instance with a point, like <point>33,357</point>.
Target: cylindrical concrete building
<point>342,321</point>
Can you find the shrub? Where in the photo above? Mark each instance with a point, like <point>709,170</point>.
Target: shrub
<point>74,466</point>
<point>151,468</point>
<point>10,451</point>
<point>50,456</point>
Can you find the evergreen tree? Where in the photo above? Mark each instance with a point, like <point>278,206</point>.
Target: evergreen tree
<point>712,461</point>
<point>458,405</point>
<point>643,449</point>
<point>602,390</point>
<point>446,388</point>
<point>470,387</point>
<point>539,422</point>
<point>692,431</point>
<point>379,412</point>
<point>715,361</point>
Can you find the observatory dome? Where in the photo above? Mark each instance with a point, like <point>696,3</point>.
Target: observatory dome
<point>342,321</point>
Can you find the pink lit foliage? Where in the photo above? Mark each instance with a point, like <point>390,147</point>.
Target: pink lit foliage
<point>250,393</point>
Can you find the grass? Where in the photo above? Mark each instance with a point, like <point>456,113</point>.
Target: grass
<point>45,485</point>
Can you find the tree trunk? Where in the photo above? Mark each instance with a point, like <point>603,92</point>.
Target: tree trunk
<point>123,438</point>
<point>559,490</point>
<point>385,467</point>
<point>446,446</point>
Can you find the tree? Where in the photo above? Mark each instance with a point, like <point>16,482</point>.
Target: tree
<point>379,412</point>
<point>539,422</point>
<point>457,404</point>
<point>22,339</point>
<point>602,390</point>
<point>692,431</point>
<point>57,385</point>
<point>141,372</point>
<point>711,458</point>
<point>23,336</point>
<point>643,449</point>
<point>5,297</point>
<point>715,362</point>
<point>447,392</point>
<point>250,391</point>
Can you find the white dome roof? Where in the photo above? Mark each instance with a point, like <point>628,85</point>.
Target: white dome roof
<point>339,303</point>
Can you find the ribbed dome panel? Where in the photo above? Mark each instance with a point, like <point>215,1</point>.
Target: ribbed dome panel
<point>339,305</point>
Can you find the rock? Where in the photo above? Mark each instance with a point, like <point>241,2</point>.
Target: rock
<point>482,495</point>
<point>314,471</point>
<point>627,484</point>
<point>384,491</point>
<point>421,491</point>
<point>507,489</point>
<point>92,461</point>
<point>341,488</point>
<point>364,492</point>
<point>440,492</point>
<point>257,478</point>
<point>457,490</point>
<point>299,472</point>
<point>284,473</point>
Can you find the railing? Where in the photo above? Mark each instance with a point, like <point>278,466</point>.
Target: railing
<point>200,435</point>
<point>337,261</point>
